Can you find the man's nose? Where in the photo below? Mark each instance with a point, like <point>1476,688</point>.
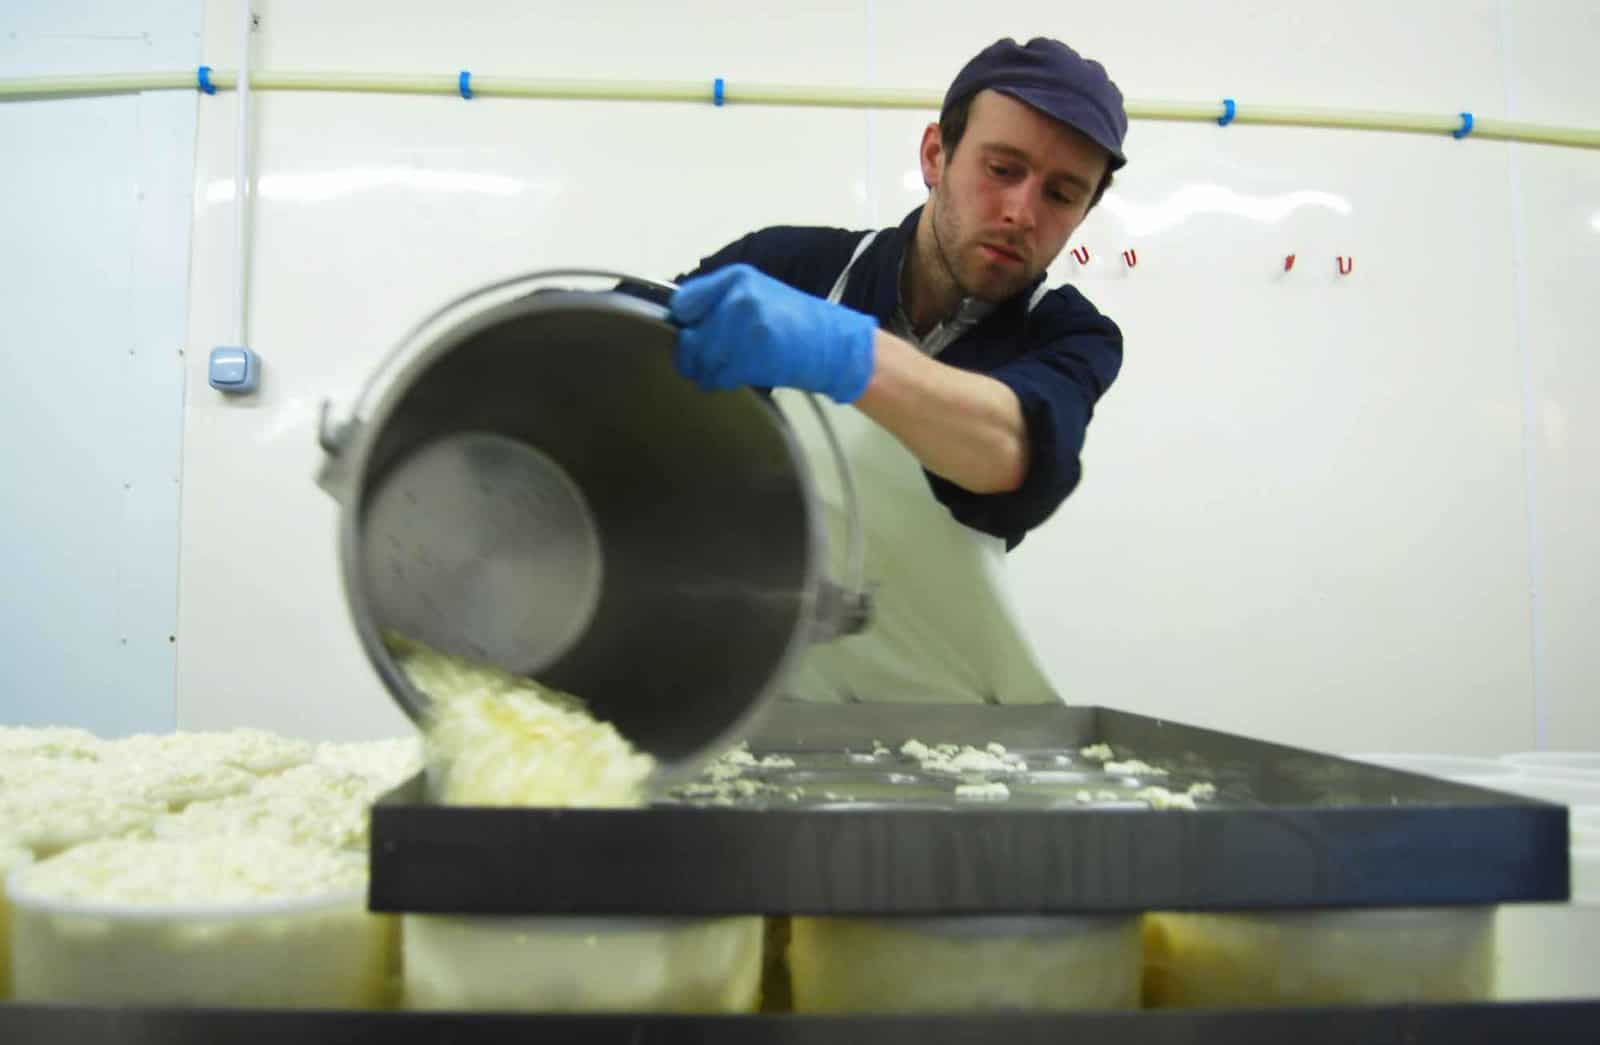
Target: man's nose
<point>1018,204</point>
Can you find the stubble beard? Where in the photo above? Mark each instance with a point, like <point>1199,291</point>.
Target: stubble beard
<point>940,233</point>
<point>947,230</point>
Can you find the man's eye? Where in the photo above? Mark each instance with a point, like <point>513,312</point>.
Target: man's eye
<point>1063,198</point>
<point>999,170</point>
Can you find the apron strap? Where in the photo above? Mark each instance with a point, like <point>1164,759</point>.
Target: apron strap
<point>837,292</point>
<point>949,634</point>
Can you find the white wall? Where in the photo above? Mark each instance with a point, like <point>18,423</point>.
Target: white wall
<point>1342,512</point>
<point>1304,514</point>
<point>1556,220</point>
<point>94,255</point>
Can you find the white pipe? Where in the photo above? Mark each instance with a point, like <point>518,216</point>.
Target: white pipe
<point>700,91</point>
<point>241,184</point>
<point>27,87</point>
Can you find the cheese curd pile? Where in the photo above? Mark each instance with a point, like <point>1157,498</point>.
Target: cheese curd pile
<point>723,782</point>
<point>310,805</point>
<point>192,868</point>
<point>496,739</point>
<point>382,763</point>
<point>12,854</point>
<point>52,742</point>
<point>501,740</point>
<point>64,788</point>
<point>958,758</point>
<point>230,867</point>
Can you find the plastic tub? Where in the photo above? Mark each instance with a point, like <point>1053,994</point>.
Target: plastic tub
<point>1548,951</point>
<point>312,951</point>
<point>1404,955</point>
<point>964,964</point>
<point>581,964</point>
<point>1583,825</point>
<point>1464,769</point>
<point>11,857</point>
<point>1539,763</point>
<point>1576,792</point>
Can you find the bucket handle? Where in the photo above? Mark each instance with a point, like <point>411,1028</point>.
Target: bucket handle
<point>841,609</point>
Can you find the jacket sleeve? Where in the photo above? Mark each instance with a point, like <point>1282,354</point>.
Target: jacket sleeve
<point>1074,354</point>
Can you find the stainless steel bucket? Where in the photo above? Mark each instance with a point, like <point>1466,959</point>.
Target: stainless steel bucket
<point>528,482</point>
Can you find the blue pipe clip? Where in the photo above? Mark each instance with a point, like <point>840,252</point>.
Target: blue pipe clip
<point>202,80</point>
<point>1228,112</point>
<point>464,84</point>
<point>1465,128</point>
<point>716,92</point>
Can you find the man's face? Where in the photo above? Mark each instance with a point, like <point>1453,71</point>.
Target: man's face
<point>1008,198</point>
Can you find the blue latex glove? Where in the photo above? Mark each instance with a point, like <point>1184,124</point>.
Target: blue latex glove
<point>742,327</point>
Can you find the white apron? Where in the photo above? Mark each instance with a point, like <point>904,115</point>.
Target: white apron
<point>944,629</point>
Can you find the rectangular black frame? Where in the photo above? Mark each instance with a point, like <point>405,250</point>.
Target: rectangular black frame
<point>1547,1023</point>
<point>1289,828</point>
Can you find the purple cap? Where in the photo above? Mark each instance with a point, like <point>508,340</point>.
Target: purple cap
<point>1054,79</point>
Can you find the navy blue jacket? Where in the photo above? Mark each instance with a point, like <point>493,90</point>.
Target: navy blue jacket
<point>1059,358</point>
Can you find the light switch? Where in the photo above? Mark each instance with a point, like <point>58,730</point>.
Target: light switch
<point>234,370</point>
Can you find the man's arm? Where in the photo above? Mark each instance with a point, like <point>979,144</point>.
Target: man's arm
<point>962,426</point>
<point>742,328</point>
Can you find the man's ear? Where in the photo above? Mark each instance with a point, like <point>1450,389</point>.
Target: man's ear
<point>931,155</point>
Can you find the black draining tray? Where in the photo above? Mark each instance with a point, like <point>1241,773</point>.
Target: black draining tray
<point>1288,828</point>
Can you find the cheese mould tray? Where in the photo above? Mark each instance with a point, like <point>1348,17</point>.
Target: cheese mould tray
<point>894,809</point>
<point>1564,1023</point>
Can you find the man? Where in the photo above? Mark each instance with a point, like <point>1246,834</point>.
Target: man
<point>964,385</point>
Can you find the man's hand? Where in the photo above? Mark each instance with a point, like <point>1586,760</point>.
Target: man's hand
<point>741,327</point>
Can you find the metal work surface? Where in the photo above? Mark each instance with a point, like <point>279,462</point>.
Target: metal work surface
<point>1546,1023</point>
<point>1286,828</point>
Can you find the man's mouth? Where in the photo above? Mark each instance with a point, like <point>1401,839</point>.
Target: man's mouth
<point>1002,254</point>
